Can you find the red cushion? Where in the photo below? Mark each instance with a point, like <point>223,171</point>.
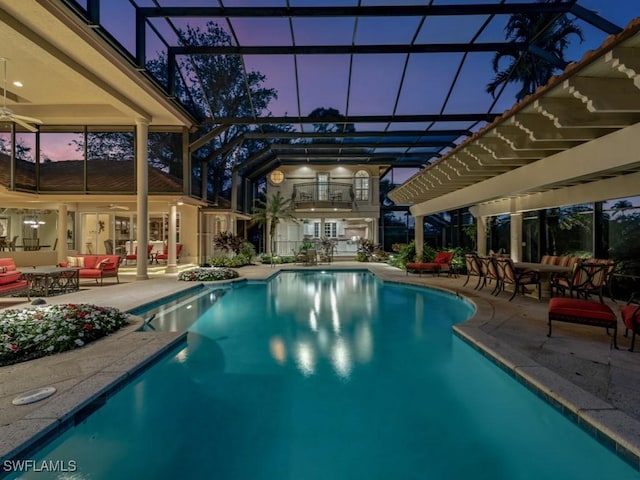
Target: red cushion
<point>20,284</point>
<point>631,316</point>
<point>573,307</point>
<point>443,257</point>
<point>90,273</point>
<point>6,278</point>
<point>9,263</point>
<point>90,261</point>
<point>422,266</point>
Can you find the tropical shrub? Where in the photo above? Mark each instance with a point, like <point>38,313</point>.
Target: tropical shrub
<point>228,242</point>
<point>428,253</point>
<point>407,254</point>
<point>369,250</point>
<point>235,262</point>
<point>247,250</point>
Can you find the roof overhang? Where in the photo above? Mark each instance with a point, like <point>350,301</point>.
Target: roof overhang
<point>581,128</point>
<point>125,203</point>
<point>72,75</point>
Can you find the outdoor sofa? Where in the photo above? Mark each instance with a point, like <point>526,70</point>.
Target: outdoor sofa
<point>11,279</point>
<point>97,267</point>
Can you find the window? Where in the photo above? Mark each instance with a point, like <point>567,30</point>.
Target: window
<point>330,229</point>
<point>362,185</point>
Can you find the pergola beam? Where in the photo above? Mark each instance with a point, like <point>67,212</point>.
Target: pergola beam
<point>359,134</point>
<point>502,47</point>
<point>594,19</point>
<point>352,145</point>
<point>445,117</point>
<point>351,11</point>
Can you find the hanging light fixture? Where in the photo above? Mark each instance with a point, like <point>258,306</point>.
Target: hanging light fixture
<point>33,222</point>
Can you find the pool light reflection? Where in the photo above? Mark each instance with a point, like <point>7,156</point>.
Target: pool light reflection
<point>341,359</point>
<point>305,359</point>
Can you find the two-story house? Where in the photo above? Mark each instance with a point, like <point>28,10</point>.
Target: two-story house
<point>337,202</point>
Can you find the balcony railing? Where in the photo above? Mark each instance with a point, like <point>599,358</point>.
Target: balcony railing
<point>323,195</point>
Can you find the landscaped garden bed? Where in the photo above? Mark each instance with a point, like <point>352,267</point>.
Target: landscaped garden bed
<point>36,332</point>
<point>207,274</point>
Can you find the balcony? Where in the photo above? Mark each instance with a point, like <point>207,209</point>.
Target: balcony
<point>323,195</point>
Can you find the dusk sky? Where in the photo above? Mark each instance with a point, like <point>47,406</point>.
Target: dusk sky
<point>376,87</point>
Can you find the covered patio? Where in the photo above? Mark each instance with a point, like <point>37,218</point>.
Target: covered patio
<point>574,141</point>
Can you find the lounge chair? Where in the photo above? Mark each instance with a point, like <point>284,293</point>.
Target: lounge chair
<point>441,263</point>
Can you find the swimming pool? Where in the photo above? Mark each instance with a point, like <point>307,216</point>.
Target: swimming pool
<point>327,375</point>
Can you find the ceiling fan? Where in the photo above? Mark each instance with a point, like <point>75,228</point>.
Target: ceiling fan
<point>6,115</point>
<point>113,206</point>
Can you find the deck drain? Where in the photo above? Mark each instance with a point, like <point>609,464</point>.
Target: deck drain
<point>33,396</point>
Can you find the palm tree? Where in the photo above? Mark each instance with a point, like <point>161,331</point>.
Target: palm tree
<point>548,32</point>
<point>270,213</point>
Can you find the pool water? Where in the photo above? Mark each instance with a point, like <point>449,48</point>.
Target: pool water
<point>327,376</point>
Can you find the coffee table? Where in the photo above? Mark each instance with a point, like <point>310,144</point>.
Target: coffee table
<point>46,281</point>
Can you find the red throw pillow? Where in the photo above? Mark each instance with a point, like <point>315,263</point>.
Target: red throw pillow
<point>104,263</point>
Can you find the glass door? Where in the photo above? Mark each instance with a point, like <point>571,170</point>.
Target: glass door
<point>323,186</point>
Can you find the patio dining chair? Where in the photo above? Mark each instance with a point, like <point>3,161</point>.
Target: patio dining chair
<point>31,244</point>
<point>108,246</point>
<point>312,257</point>
<point>300,256</point>
<point>134,256</point>
<point>489,273</point>
<point>587,278</point>
<point>164,256</point>
<point>12,243</point>
<point>474,269</point>
<point>631,317</point>
<point>508,275</point>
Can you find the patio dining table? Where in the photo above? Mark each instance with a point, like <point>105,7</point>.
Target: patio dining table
<point>546,271</point>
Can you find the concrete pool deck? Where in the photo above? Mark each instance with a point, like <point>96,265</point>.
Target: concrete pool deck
<point>576,369</point>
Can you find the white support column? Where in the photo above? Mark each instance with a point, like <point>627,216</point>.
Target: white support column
<point>481,235</point>
<point>374,233</point>
<point>142,192</point>
<point>321,227</point>
<point>419,237</point>
<point>230,227</point>
<point>269,240</point>
<point>516,237</point>
<point>172,266</point>
<point>62,232</point>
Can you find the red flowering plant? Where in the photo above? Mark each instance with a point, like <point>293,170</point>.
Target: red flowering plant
<point>36,332</point>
